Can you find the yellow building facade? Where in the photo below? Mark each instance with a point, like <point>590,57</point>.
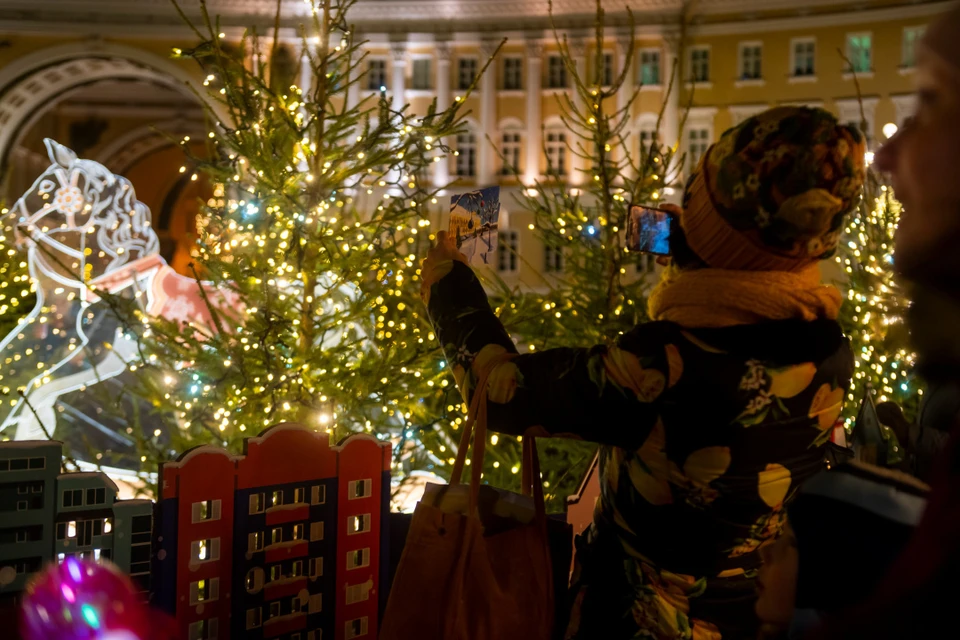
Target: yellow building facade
<point>109,93</point>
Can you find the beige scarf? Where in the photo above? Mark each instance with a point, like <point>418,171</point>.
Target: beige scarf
<point>723,298</point>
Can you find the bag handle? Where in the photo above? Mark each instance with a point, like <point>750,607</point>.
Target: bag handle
<point>476,425</point>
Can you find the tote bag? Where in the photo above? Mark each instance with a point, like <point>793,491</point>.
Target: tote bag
<point>457,580</point>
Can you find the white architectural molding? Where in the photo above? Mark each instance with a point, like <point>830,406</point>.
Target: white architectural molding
<point>905,105</point>
<point>740,112</point>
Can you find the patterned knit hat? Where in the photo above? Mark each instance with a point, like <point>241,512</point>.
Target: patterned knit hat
<point>772,193</point>
<point>850,523</point>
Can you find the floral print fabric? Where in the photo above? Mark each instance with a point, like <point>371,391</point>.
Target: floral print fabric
<point>786,177</point>
<point>705,435</point>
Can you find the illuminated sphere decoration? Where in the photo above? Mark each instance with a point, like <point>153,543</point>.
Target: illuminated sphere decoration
<point>82,600</point>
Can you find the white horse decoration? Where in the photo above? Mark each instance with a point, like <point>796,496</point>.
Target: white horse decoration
<point>84,230</point>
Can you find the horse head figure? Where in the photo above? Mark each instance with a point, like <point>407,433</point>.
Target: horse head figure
<point>80,220</point>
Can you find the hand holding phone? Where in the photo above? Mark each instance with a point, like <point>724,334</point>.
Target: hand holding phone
<point>648,230</point>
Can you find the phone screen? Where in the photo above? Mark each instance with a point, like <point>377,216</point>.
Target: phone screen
<point>648,230</point>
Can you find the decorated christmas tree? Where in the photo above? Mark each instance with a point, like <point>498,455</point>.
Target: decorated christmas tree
<point>872,314</point>
<point>309,252</point>
<point>600,292</point>
<point>16,288</point>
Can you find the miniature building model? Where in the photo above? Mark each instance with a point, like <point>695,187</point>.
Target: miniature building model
<point>286,541</point>
<point>45,514</point>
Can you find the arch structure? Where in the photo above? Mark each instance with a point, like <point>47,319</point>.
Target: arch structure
<point>33,84</point>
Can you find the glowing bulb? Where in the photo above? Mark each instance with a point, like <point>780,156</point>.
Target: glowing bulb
<point>890,129</point>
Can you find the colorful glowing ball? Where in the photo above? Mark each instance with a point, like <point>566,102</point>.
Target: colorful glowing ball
<point>83,600</point>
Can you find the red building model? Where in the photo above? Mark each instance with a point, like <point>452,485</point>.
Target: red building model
<point>286,541</point>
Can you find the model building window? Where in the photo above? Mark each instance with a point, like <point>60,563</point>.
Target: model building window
<point>276,499</point>
<point>203,629</point>
<point>255,541</point>
<point>316,567</point>
<point>358,558</point>
<point>73,498</point>
<point>358,592</point>
<point>254,579</point>
<point>297,532</point>
<point>204,590</point>
<point>256,503</point>
<point>274,610</point>
<point>296,604</point>
<point>254,618</point>
<point>358,524</point>
<point>96,496</point>
<point>296,569</point>
<point>204,550</point>
<point>359,489</point>
<point>298,495</point>
<point>318,494</point>
<point>276,535</point>
<point>356,628</point>
<point>206,510</point>
<point>316,531</point>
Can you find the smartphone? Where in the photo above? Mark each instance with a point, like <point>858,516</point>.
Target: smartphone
<point>648,230</point>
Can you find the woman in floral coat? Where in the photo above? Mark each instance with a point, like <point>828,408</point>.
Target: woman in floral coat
<point>710,416</point>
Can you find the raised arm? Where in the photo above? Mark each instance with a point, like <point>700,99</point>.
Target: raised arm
<point>603,394</point>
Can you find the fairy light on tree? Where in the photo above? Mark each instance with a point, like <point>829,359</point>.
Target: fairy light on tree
<point>16,288</point>
<point>318,215</point>
<point>872,314</point>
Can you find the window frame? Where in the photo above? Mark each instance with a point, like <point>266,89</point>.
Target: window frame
<point>755,49</point>
<point>508,239</point>
<point>381,62</point>
<point>556,73</point>
<point>508,74</point>
<point>909,62</point>
<point>656,66</point>
<point>693,64</point>
<point>849,41</point>
<point>795,61</point>
<point>466,159</point>
<point>512,148</point>
<point>463,64</point>
<point>556,166</point>
<point>413,72</point>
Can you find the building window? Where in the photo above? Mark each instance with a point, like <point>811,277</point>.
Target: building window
<point>751,61</point>
<point>358,593</point>
<point>276,535</point>
<point>466,154</point>
<point>700,64</point>
<point>804,52</point>
<point>860,52</point>
<point>316,567</point>
<point>316,603</point>
<point>206,510</point>
<point>254,579</point>
<point>276,498</point>
<point>358,524</point>
<point>605,78</point>
<point>513,73</point>
<point>296,569</point>
<point>316,531</point>
<point>911,36</point>
<point>73,498</point>
<point>359,558</point>
<point>275,573</point>
<point>297,532</point>
<point>255,541</point>
<point>256,503</point>
<point>72,529</point>
<point>254,618</point>
<point>421,74</point>
<point>510,148</point>
<point>556,144</point>
<point>107,525</point>
<point>274,610</point>
<point>204,590</point>
<point>203,629</point>
<point>356,628</point>
<point>508,249</point>
<point>318,494</point>
<point>96,496</point>
<point>556,72</point>
<point>377,75</point>
<point>649,141</point>
<point>698,140</point>
<point>552,259</point>
<point>466,72</point>
<point>296,604</point>
<point>204,550</point>
<point>298,495</point>
<point>650,67</point>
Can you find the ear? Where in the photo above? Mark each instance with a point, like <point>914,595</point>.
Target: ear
<point>59,154</point>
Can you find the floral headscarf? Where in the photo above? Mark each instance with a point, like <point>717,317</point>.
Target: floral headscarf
<point>782,180</point>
